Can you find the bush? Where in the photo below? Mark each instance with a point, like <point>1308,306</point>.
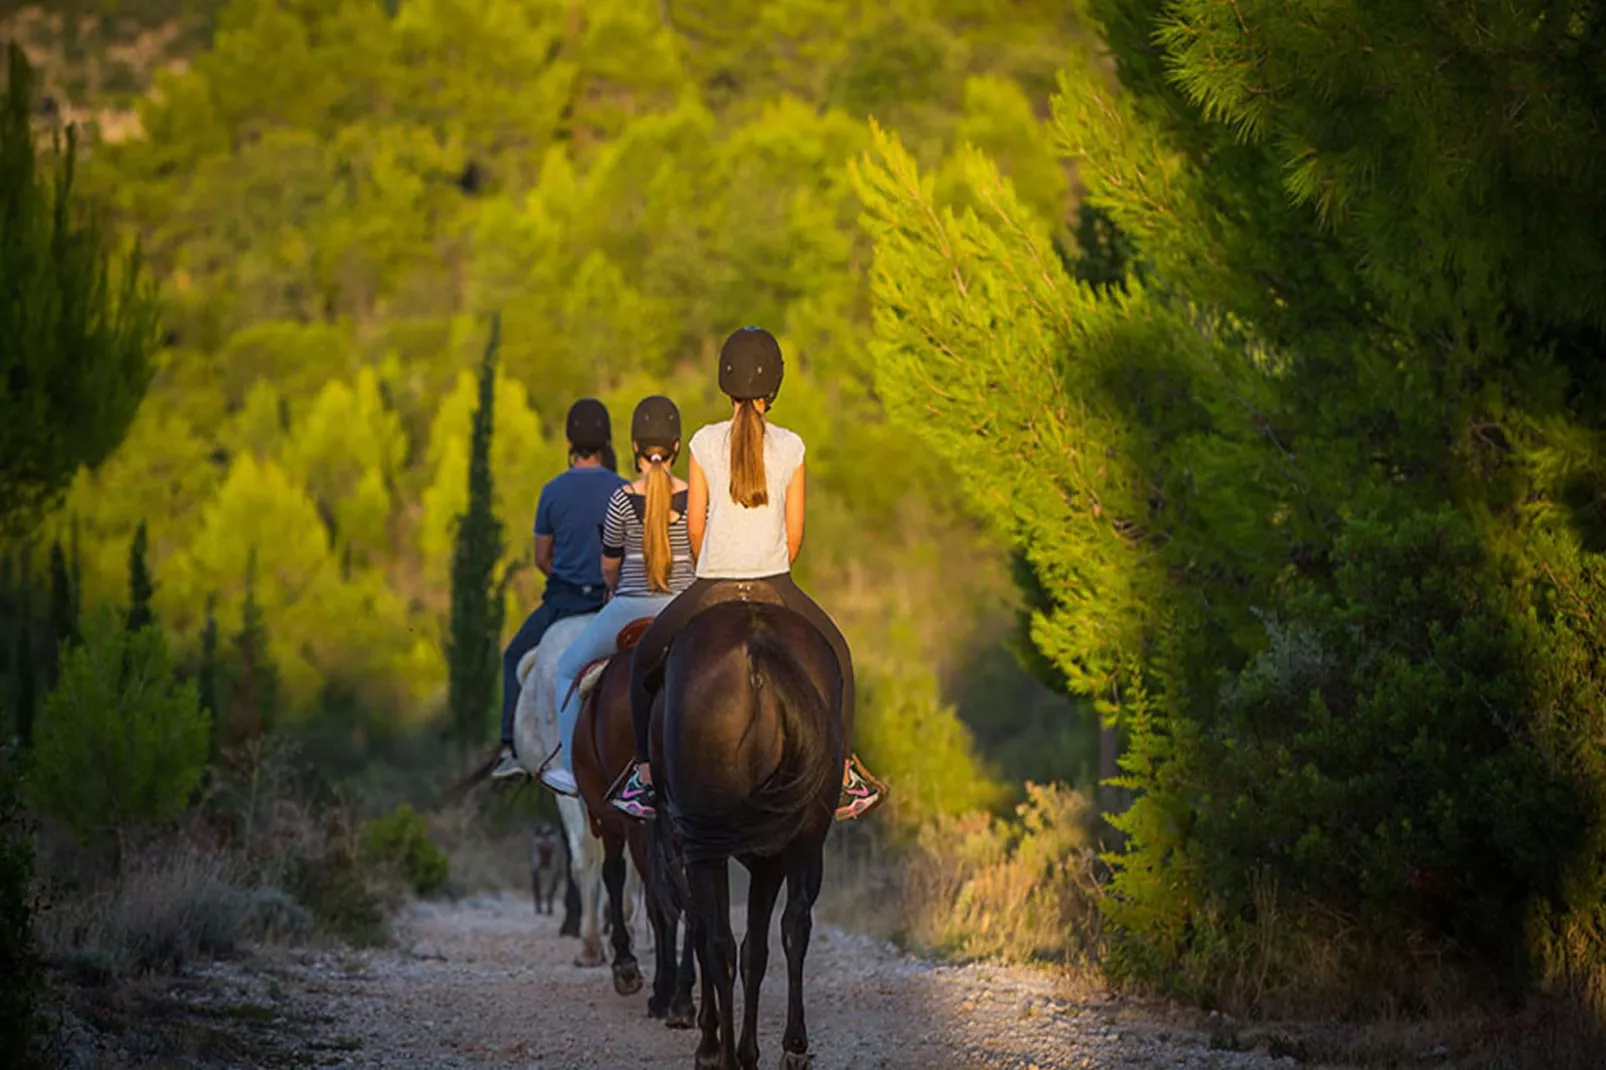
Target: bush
<point>920,748</point>
<point>1021,890</point>
<point>121,743</point>
<point>400,843</point>
<point>1378,771</point>
<point>164,912</point>
<point>20,974</point>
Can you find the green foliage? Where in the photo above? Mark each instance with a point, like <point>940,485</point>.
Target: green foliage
<point>21,972</point>
<point>79,323</point>
<point>1306,470</point>
<point>121,744</point>
<point>140,585</point>
<point>473,644</point>
<point>401,842</point>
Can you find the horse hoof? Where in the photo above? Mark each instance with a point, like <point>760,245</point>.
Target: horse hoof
<point>656,1007</point>
<point>709,1060</point>
<point>683,1017</point>
<point>796,1060</point>
<point>626,980</point>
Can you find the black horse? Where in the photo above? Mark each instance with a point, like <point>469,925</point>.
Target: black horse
<point>748,751</point>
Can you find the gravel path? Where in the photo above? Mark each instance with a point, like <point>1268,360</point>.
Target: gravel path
<point>485,982</point>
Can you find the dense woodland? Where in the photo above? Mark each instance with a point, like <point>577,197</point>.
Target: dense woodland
<point>1221,372</point>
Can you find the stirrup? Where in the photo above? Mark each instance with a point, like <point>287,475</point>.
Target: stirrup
<point>875,782</point>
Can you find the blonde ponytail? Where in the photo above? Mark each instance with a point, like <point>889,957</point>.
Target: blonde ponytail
<point>749,487</point>
<point>655,528</point>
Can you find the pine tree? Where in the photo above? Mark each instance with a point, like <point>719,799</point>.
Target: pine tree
<point>206,678</point>
<point>63,624</point>
<point>79,328</point>
<point>472,645</point>
<point>140,586</point>
<point>254,697</point>
<point>22,647</point>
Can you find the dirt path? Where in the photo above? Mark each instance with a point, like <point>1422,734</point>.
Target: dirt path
<point>484,982</point>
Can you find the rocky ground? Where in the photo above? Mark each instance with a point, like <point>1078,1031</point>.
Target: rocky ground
<point>485,982</point>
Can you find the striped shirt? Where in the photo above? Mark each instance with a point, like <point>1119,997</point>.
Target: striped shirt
<point>622,529</point>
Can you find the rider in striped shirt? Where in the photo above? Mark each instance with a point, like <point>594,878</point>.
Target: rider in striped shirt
<point>646,562</point>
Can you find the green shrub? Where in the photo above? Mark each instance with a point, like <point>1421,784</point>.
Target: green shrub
<point>333,886</point>
<point>400,843</point>
<point>1379,759</point>
<point>121,743</point>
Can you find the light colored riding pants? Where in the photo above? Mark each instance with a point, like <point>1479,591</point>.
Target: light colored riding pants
<point>599,639</point>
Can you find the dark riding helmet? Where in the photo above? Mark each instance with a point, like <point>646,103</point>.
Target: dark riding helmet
<point>750,365</point>
<point>588,426</point>
<point>655,425</point>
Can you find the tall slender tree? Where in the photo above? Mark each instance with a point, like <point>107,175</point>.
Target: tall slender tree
<point>140,585</point>
<point>254,696</point>
<point>206,681</point>
<point>63,622</point>
<point>26,693</point>
<point>472,644</point>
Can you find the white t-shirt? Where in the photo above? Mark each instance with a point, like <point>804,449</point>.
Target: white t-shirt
<point>741,543</point>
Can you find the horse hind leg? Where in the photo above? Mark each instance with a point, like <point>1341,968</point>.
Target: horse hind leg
<point>682,1008</point>
<point>768,875</point>
<point>626,971</point>
<point>805,869</point>
<point>710,889</point>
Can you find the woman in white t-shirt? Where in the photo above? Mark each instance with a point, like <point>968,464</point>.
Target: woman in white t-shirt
<point>744,512</point>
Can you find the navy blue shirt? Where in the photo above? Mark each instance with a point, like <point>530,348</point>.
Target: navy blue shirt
<point>571,510</point>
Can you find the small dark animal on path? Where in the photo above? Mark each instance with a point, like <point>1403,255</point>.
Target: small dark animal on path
<point>548,865</point>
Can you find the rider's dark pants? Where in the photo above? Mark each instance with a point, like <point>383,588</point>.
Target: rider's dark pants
<point>560,600</point>
<point>647,661</point>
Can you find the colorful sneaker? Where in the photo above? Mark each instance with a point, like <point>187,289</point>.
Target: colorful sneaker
<point>636,799</point>
<point>508,765</point>
<point>860,794</point>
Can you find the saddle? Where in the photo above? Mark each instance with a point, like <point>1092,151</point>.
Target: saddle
<point>755,591</point>
<point>626,641</point>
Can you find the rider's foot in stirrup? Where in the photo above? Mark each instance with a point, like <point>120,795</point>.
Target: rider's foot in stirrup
<point>637,798</point>
<point>858,797</point>
<point>560,780</point>
<point>507,765</point>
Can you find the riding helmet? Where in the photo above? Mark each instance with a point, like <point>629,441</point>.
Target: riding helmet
<point>589,428</point>
<point>656,422</point>
<point>750,365</point>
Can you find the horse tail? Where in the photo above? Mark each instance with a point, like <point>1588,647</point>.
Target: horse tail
<point>804,780</point>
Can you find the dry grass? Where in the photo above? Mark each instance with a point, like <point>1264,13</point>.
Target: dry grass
<point>164,911</point>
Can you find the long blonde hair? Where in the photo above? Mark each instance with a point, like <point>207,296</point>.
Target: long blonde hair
<point>655,549</point>
<point>749,487</point>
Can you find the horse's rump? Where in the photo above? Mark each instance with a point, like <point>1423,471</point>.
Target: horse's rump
<point>751,731</point>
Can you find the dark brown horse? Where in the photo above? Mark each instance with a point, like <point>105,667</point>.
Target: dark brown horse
<point>747,751</point>
<point>604,745</point>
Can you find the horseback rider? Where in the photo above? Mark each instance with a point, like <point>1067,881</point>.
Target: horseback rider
<point>744,510</point>
<point>646,562</point>
<point>568,549</point>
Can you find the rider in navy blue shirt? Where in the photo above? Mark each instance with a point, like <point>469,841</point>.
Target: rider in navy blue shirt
<point>568,548</point>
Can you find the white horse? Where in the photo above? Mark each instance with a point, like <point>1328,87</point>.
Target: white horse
<point>535,734</point>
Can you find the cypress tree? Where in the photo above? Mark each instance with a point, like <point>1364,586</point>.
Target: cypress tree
<point>255,691</point>
<point>140,585</point>
<point>22,649</point>
<point>472,643</point>
<point>63,626</point>
<point>206,683</point>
